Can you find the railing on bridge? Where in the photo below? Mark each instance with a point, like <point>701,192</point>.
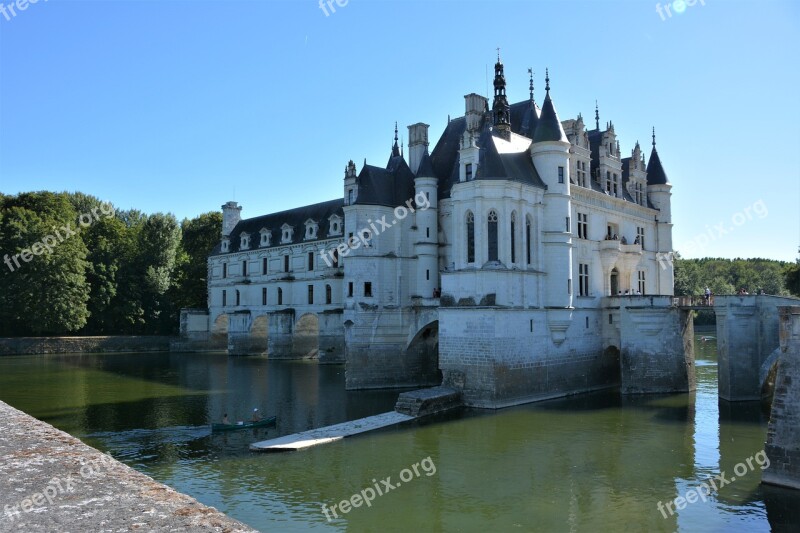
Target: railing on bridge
<point>692,301</point>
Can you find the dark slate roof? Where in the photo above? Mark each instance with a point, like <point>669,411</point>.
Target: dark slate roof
<point>444,157</point>
<point>524,118</point>
<point>294,217</point>
<point>425,169</point>
<point>655,172</point>
<point>390,186</point>
<point>549,126</point>
<point>493,165</point>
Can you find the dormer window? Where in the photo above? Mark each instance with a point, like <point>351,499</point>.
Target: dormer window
<point>287,234</point>
<point>468,171</point>
<point>245,241</point>
<point>226,245</point>
<point>335,225</point>
<point>266,237</point>
<point>311,229</point>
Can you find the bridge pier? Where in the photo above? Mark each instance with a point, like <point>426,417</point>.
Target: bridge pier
<point>747,332</point>
<point>783,435</point>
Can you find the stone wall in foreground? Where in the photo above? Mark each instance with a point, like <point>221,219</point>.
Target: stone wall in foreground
<point>45,345</point>
<point>51,481</point>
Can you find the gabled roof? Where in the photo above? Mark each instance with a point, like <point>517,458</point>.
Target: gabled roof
<point>293,217</point>
<point>425,169</point>
<point>512,166</point>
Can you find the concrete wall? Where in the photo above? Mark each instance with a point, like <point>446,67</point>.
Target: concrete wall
<point>783,434</point>
<point>46,345</point>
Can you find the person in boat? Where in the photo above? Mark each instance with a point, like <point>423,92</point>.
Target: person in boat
<point>225,419</point>
<point>256,416</point>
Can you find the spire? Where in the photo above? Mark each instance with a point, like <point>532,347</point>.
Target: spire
<point>655,171</point>
<point>500,107</point>
<point>549,127</point>
<point>395,147</point>
<point>547,81</point>
<point>530,73</point>
<point>596,116</point>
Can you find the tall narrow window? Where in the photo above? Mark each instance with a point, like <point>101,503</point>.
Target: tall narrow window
<point>528,240</point>
<point>280,296</point>
<point>640,236</point>
<point>264,266</point>
<point>238,298</point>
<point>350,289</point>
<point>350,197</point>
<point>470,237</point>
<point>224,298</point>
<point>583,279</point>
<point>264,296</point>
<point>608,182</point>
<point>561,174</point>
<point>286,263</point>
<point>583,226</point>
<point>513,237</point>
<point>310,261</point>
<point>492,219</point>
<point>310,295</point>
<point>224,270</point>
<point>468,171</point>
<point>568,227</point>
<point>615,182</point>
<point>244,267</point>
<point>641,282</point>
<point>368,289</point>
<point>427,233</point>
<point>336,258</point>
<point>328,294</point>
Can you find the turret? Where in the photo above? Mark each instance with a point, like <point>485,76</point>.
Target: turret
<point>659,191</point>
<point>426,246</point>
<point>350,184</point>
<point>501,111</point>
<point>550,154</point>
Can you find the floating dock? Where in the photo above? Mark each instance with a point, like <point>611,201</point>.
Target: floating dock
<point>325,435</point>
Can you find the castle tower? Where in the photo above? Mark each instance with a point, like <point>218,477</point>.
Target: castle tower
<point>550,154</point>
<point>231,215</point>
<point>426,247</point>
<point>659,191</point>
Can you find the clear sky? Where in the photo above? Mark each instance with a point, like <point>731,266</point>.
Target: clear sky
<point>179,106</point>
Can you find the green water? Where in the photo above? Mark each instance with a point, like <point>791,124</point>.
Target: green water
<point>595,462</point>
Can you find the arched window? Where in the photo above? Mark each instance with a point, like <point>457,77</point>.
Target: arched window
<point>280,296</point>
<point>528,240</point>
<point>492,235</point>
<point>470,237</point>
<point>514,237</point>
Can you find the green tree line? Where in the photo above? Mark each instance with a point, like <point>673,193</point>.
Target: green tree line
<point>729,276</point>
<point>75,265</point>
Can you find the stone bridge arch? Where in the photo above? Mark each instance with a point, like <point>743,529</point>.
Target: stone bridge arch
<point>305,340</point>
<point>219,331</point>
<point>423,347</point>
<point>259,334</point>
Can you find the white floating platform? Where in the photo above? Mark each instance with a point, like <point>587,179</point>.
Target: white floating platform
<point>324,435</point>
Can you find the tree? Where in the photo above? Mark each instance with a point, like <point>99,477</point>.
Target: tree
<point>199,236</point>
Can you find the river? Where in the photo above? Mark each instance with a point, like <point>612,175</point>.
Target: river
<point>595,462</point>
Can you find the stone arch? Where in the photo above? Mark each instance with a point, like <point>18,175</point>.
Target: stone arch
<point>305,339</point>
<point>219,331</point>
<point>259,334</point>
<point>424,346</point>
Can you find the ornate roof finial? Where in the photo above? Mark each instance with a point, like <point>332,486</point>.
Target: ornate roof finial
<point>395,147</point>
<point>530,73</point>
<point>596,115</point>
<point>395,132</point>
<point>547,80</point>
<point>654,136</point>
<point>498,54</point>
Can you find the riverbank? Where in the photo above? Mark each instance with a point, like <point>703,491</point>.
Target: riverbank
<point>100,344</point>
<point>51,481</point>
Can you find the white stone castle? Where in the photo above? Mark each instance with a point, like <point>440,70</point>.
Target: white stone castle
<point>489,263</point>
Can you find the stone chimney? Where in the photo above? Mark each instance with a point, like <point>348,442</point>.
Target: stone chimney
<point>475,107</point>
<point>231,215</point>
<point>417,144</point>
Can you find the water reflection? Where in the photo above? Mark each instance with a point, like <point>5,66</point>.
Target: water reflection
<point>591,462</point>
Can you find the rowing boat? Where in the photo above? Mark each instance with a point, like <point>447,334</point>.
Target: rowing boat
<point>244,425</point>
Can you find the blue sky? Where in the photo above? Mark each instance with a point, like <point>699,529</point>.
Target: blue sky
<point>179,106</point>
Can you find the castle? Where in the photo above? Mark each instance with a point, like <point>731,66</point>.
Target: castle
<point>502,263</point>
